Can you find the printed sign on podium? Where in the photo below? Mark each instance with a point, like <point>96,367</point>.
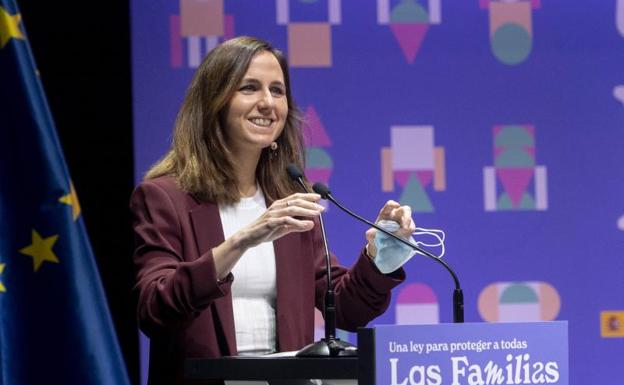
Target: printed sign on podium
<point>465,354</point>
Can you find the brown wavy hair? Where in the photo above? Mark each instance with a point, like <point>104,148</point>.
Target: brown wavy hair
<point>199,158</point>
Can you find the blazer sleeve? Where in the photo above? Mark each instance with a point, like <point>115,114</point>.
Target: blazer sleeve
<point>173,285</point>
<point>362,292</point>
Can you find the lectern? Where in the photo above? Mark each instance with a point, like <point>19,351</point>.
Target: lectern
<point>280,370</point>
<point>488,353</point>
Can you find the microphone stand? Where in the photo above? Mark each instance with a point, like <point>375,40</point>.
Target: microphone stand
<point>330,346</point>
<point>458,295</point>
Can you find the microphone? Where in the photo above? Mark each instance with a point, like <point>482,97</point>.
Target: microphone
<point>330,346</point>
<point>458,295</point>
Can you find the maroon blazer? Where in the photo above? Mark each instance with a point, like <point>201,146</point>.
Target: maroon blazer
<point>186,312</point>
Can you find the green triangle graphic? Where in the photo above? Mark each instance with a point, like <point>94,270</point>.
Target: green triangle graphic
<point>526,203</point>
<point>415,196</point>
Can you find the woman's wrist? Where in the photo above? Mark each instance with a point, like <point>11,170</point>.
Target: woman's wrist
<point>238,242</point>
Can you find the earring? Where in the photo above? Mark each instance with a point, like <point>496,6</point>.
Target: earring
<point>273,150</point>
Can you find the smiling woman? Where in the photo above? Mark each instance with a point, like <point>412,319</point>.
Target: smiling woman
<point>203,157</point>
<point>257,112</point>
<point>221,204</point>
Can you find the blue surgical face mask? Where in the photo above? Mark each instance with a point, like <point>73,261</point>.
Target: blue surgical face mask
<point>392,254</point>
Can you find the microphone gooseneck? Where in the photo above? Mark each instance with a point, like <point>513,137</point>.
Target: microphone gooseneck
<point>330,346</point>
<point>458,295</point>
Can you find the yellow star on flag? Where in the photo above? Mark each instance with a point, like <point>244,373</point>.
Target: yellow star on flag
<point>2,288</point>
<point>9,27</point>
<point>41,249</point>
<point>71,199</point>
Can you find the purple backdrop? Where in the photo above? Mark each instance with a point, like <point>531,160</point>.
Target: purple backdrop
<point>500,122</point>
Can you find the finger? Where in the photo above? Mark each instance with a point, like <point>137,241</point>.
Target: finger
<point>370,234</point>
<point>305,204</point>
<point>312,197</point>
<point>386,210</point>
<point>285,225</point>
<point>405,232</point>
<point>403,216</point>
<point>295,211</point>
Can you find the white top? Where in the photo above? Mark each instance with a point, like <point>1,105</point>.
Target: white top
<point>254,288</point>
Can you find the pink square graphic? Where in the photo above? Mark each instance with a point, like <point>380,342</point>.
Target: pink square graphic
<point>202,17</point>
<point>518,13</point>
<point>309,45</point>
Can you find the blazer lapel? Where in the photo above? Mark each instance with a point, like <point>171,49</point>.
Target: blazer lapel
<point>208,232</point>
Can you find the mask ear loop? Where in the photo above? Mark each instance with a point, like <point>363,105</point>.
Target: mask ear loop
<point>433,233</point>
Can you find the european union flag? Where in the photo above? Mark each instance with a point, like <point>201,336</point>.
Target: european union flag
<point>54,322</point>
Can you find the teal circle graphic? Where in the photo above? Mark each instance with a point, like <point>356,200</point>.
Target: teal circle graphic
<point>409,12</point>
<point>511,43</point>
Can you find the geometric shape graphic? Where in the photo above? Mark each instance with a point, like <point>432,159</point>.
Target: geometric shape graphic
<point>507,184</point>
<point>541,190</point>
<point>318,158</point>
<point>618,92</point>
<point>439,169</point>
<point>515,181</point>
<point>313,129</point>
<point>282,11</point>
<point>319,164</point>
<point>612,324</point>
<point>201,18</point>
<point>511,44</point>
<point>409,37</point>
<point>309,45</point>
<point>620,223</point>
<point>202,24</point>
<point>511,29</point>
<point>175,42</point>
<point>519,302</point>
<point>409,22</point>
<point>417,304</point>
<point>415,196</point>
<point>619,16</point>
<point>414,163</point>
<point>387,182</point>
<point>412,147</point>
<point>489,188</point>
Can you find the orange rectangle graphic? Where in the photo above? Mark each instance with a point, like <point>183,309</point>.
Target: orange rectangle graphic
<point>309,44</point>
<point>202,18</point>
<point>612,323</point>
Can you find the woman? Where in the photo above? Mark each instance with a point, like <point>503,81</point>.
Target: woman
<point>229,256</point>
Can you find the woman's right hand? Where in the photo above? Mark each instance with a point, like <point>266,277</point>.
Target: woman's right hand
<point>291,214</point>
<point>295,213</point>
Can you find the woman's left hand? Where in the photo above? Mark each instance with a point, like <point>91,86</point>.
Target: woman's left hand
<point>395,212</point>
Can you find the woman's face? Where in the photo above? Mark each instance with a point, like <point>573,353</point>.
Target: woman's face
<point>257,112</point>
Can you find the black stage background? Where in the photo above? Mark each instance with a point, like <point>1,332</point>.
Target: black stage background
<point>82,50</point>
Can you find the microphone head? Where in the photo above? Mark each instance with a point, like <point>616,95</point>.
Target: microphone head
<point>322,190</point>
<point>294,172</point>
